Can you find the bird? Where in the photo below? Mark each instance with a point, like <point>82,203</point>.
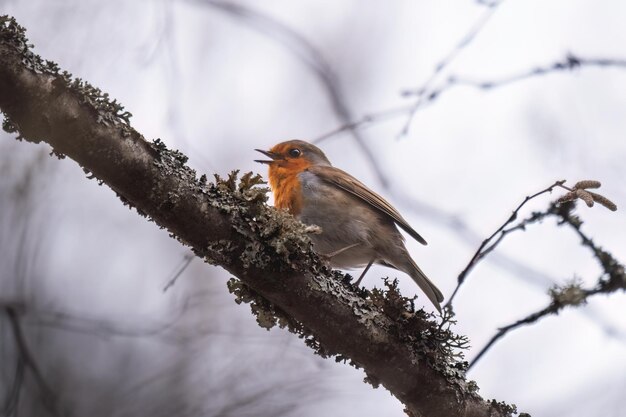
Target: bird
<point>359,228</point>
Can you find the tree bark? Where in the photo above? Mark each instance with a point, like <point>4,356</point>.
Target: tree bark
<point>230,225</point>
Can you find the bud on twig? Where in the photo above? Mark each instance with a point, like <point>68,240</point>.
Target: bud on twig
<point>580,190</point>
<point>585,196</point>
<point>587,184</point>
<point>600,199</point>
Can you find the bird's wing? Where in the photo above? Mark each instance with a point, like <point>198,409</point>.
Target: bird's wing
<point>355,187</point>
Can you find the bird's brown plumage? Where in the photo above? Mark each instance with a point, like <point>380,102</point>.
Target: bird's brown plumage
<point>357,224</point>
<point>355,187</point>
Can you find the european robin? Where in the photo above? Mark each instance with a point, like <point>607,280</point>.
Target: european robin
<point>358,227</point>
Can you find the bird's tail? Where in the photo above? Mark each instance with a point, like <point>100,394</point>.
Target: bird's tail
<point>432,292</point>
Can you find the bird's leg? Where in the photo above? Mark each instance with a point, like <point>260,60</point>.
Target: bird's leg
<point>358,281</point>
<point>329,256</point>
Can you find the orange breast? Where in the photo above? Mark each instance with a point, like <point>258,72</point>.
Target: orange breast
<point>286,186</point>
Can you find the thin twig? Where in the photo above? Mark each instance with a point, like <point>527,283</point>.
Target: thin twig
<point>569,63</point>
<point>179,270</point>
<point>483,249</point>
<point>426,92</point>
<point>368,119</point>
<point>613,278</point>
<point>502,331</point>
<point>553,308</point>
<point>533,218</point>
<point>609,264</point>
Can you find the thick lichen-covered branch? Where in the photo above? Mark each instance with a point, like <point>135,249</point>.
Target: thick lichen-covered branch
<point>228,223</point>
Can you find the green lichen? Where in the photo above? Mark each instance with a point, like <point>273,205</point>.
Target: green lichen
<point>267,315</point>
<point>14,35</point>
<point>221,252</point>
<point>569,294</point>
<point>431,338</point>
<point>503,408</point>
<point>10,127</point>
<point>372,380</point>
<point>107,112</point>
<point>274,239</point>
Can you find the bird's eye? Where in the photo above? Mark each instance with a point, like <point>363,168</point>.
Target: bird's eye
<point>294,152</point>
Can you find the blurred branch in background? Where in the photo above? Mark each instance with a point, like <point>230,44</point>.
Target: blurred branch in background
<point>571,62</point>
<point>28,362</point>
<point>87,324</point>
<point>22,238</point>
<point>426,93</point>
<point>14,390</point>
<point>166,47</point>
<point>488,3</point>
<point>307,53</point>
<point>180,268</point>
<point>173,332</point>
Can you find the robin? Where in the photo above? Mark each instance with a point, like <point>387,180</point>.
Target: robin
<point>358,226</point>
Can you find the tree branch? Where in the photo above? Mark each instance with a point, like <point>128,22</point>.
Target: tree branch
<point>229,224</point>
<point>613,276</point>
<point>570,62</point>
<point>501,232</point>
<point>426,93</point>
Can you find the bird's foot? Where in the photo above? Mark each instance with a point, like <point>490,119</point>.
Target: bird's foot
<point>358,281</point>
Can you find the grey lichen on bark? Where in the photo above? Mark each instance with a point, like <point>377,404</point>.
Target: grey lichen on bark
<point>227,222</point>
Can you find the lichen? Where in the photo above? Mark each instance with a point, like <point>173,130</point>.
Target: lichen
<point>273,237</point>
<point>569,294</point>
<point>267,315</point>
<point>503,408</point>
<point>9,126</point>
<point>108,112</point>
<point>434,340</point>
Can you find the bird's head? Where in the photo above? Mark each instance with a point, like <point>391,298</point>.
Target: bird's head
<point>292,157</point>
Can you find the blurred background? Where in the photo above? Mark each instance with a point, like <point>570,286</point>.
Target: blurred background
<point>217,79</point>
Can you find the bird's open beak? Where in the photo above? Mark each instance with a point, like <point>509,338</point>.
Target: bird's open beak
<point>268,154</point>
